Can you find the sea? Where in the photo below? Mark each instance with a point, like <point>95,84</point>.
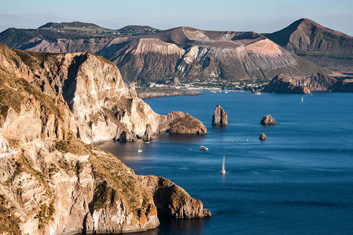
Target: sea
<point>298,181</point>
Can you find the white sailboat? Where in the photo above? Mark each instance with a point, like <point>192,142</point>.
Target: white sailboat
<point>302,98</point>
<point>223,171</point>
<point>139,149</point>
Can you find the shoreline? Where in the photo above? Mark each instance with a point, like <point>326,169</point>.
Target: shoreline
<point>148,93</point>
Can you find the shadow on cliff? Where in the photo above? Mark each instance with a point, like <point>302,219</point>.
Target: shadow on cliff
<point>70,83</point>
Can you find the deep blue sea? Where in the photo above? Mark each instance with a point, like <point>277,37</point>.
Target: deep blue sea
<point>299,181</point>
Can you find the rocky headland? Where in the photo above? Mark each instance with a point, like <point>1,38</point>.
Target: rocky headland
<point>52,106</point>
<point>220,117</point>
<point>303,85</point>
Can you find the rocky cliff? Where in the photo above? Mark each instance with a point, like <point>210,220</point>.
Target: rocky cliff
<point>53,182</point>
<point>304,85</point>
<point>172,200</point>
<point>185,53</point>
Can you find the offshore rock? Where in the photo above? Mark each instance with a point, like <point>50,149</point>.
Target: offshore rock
<point>268,120</point>
<point>262,137</point>
<point>172,200</point>
<point>220,117</point>
<point>183,123</point>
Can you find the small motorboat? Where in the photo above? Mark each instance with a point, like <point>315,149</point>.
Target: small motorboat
<point>203,148</point>
<point>139,149</point>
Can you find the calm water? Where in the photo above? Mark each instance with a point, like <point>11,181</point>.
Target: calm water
<point>299,181</point>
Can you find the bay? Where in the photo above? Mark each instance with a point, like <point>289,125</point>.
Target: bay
<point>299,181</point>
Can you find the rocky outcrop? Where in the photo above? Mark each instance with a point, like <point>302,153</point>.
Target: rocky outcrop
<point>262,137</point>
<point>303,85</point>
<point>268,120</point>
<point>172,200</point>
<point>183,123</point>
<point>220,117</point>
<point>52,179</point>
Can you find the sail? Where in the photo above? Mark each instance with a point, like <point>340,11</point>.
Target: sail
<point>223,166</point>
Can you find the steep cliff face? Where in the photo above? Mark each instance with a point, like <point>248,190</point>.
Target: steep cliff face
<point>51,106</point>
<point>172,200</point>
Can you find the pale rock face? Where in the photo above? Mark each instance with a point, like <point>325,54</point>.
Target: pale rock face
<point>4,146</point>
<point>52,180</point>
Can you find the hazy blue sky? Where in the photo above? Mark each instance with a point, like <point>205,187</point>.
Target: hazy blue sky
<point>256,15</point>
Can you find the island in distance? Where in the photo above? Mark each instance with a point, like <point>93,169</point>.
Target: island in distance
<point>197,56</point>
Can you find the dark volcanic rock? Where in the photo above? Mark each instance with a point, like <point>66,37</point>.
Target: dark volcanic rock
<point>285,84</point>
<point>317,82</point>
<point>268,120</point>
<point>262,137</point>
<point>220,117</point>
<point>172,200</point>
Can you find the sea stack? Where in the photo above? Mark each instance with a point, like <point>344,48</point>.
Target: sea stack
<point>262,137</point>
<point>220,117</point>
<point>268,120</point>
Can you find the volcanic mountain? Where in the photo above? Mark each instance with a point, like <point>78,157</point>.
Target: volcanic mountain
<point>314,42</point>
<point>146,54</point>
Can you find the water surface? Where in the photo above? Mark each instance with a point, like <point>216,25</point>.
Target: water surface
<point>299,181</point>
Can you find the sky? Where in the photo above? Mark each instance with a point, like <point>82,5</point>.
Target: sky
<point>261,16</point>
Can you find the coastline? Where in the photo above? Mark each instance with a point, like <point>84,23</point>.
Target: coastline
<point>148,93</point>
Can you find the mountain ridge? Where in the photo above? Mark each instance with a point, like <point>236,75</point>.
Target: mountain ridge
<point>186,53</point>
<point>321,45</point>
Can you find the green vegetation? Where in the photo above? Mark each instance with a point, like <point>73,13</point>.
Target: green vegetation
<point>9,99</point>
<point>45,214</point>
<point>103,196</point>
<point>9,223</point>
<point>72,145</point>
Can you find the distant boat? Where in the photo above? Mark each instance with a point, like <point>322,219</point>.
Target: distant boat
<point>203,148</point>
<point>247,140</point>
<point>302,99</point>
<point>257,93</point>
<point>139,149</point>
<point>223,171</point>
